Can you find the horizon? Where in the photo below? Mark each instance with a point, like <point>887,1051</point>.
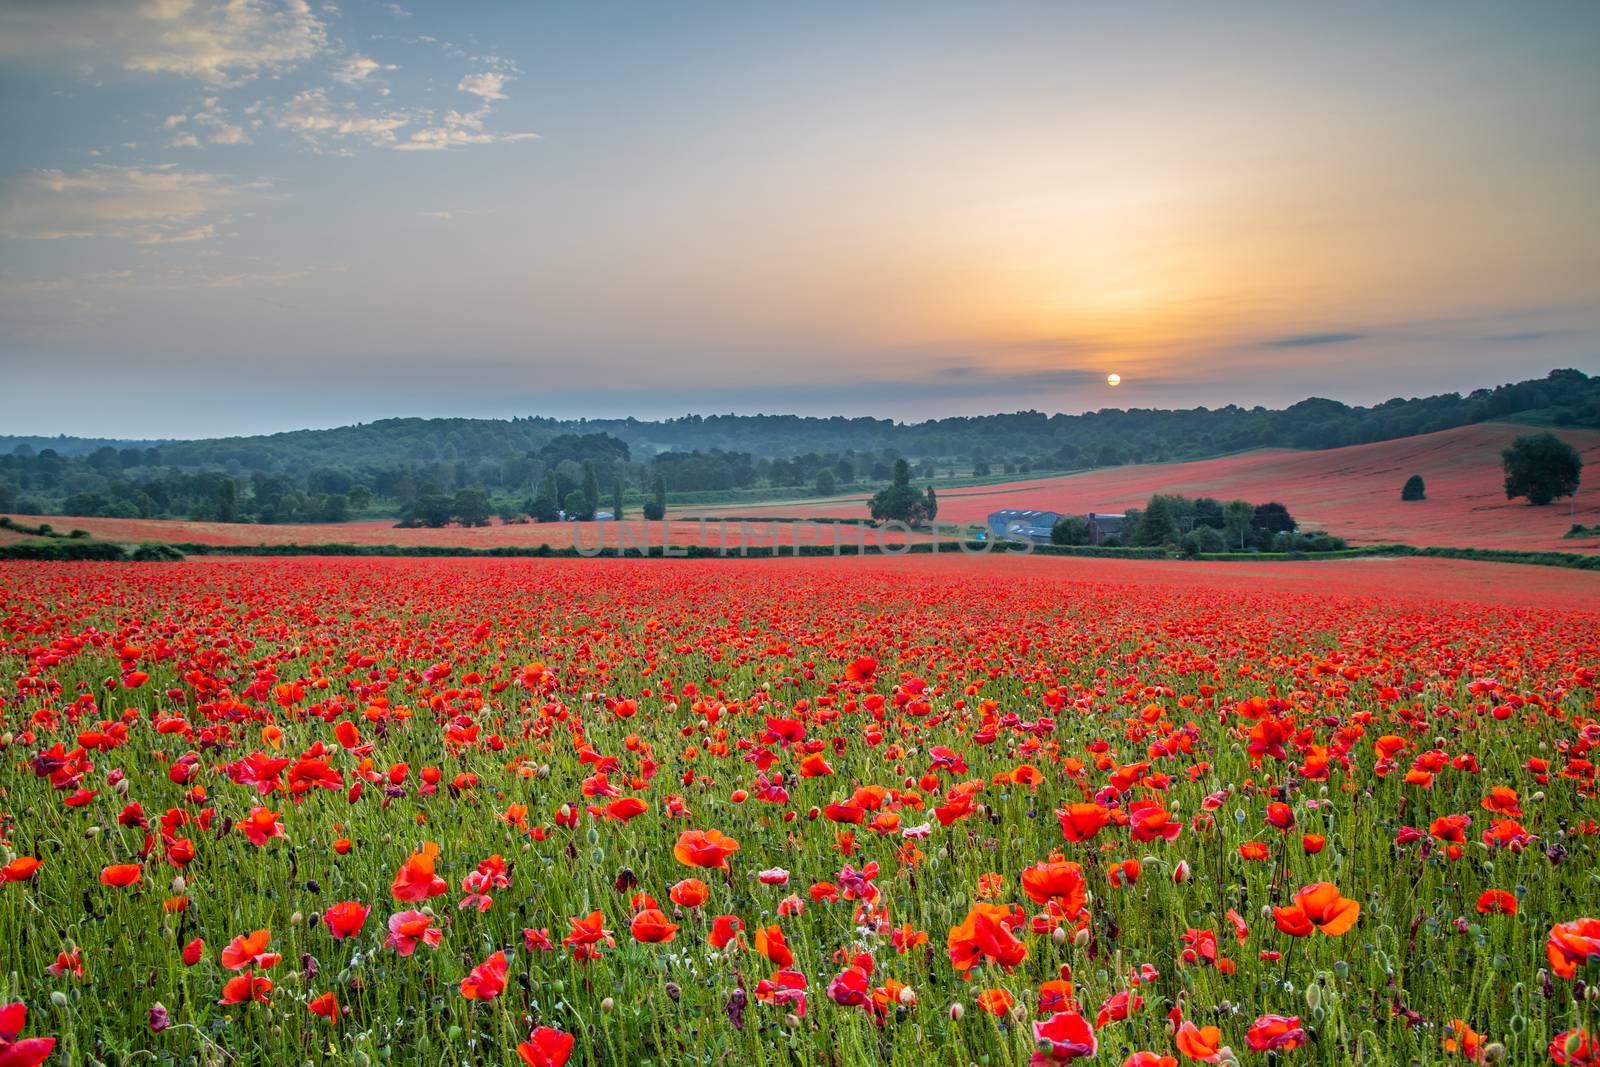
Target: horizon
<point>228,219</point>
<point>749,414</point>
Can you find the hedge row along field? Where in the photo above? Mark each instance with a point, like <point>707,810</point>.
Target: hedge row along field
<point>615,812</point>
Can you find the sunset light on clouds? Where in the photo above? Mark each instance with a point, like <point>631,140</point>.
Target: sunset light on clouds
<point>372,209</point>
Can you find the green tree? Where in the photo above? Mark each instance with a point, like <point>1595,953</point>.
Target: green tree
<point>432,509</point>
<point>656,509</point>
<point>1275,518</point>
<point>899,502</point>
<point>543,508</point>
<point>333,507</point>
<point>933,504</point>
<point>1237,517</point>
<point>1070,530</point>
<point>616,498</point>
<point>1414,489</point>
<point>591,488</point>
<point>826,485</point>
<point>546,507</point>
<point>577,506</point>
<point>1541,467</point>
<point>1158,525</point>
<point>471,507</point>
<point>227,501</point>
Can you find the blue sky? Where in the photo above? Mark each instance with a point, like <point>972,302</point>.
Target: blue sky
<point>260,215</point>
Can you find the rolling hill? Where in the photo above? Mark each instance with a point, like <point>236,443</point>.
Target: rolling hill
<point>1352,491</point>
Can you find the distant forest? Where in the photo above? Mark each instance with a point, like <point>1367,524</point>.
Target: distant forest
<point>396,467</point>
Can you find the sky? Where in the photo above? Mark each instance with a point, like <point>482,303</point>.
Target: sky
<point>248,216</point>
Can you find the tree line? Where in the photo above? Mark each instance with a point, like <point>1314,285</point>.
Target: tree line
<point>408,468</point>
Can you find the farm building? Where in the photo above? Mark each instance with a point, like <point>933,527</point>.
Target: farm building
<point>1022,524</point>
<point>1102,526</point>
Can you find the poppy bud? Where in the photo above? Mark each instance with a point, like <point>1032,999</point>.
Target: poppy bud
<point>956,1012</point>
<point>59,999</point>
<point>1081,938</point>
<point>1059,935</point>
<point>607,1004</point>
<point>1180,873</point>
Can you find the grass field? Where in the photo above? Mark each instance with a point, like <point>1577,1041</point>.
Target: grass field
<point>997,811</point>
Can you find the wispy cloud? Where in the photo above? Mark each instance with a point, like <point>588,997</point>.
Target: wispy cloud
<point>358,69</point>
<point>319,120</point>
<point>221,42</point>
<point>145,205</point>
<point>489,85</point>
<point>1312,340</point>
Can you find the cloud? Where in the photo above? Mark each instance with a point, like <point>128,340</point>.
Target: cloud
<point>211,120</point>
<point>1311,340</point>
<point>461,128</point>
<point>312,115</point>
<point>457,130</point>
<point>146,205</point>
<point>221,42</point>
<point>355,70</point>
<point>487,85</point>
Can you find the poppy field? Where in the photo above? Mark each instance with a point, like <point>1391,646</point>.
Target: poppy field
<point>935,811</point>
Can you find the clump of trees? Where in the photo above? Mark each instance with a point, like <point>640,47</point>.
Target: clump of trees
<point>1541,467</point>
<point>1414,489</point>
<point>469,507</point>
<point>1070,530</point>
<point>899,502</point>
<point>1202,524</point>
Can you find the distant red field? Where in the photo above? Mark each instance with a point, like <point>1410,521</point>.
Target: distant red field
<point>528,535</point>
<point>1353,491</point>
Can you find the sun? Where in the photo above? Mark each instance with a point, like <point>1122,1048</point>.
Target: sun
<point>1113,379</point>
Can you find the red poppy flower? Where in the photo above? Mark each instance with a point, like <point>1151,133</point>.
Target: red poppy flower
<point>1275,1033</point>
<point>1571,944</point>
<point>18,1051</point>
<point>704,848</point>
<point>651,927</point>
<point>1062,1038</point>
<point>487,980</point>
<point>546,1047</point>
<point>345,918</point>
<point>416,880</point>
<point>121,875</point>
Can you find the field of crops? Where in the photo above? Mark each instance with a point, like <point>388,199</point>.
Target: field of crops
<point>1353,491</point>
<point>925,811</point>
